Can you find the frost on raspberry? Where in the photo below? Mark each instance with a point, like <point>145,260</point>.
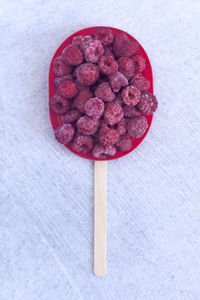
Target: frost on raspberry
<point>87,125</point>
<point>108,136</point>
<point>130,111</point>
<point>140,82</point>
<point>113,113</point>
<point>131,95</point>
<point>59,105</point>
<point>139,62</point>
<point>103,152</point>
<point>107,65</point>
<point>94,108</point>
<point>60,68</point>
<point>59,80</point>
<point>121,126</point>
<point>72,55</point>
<point>92,50</point>
<point>104,35</point>
<point>67,89</point>
<point>71,116</point>
<point>87,74</point>
<point>82,143</point>
<point>64,133</point>
<point>147,104</point>
<point>137,126</point>
<point>126,66</point>
<point>123,46</point>
<point>104,92</point>
<point>117,80</point>
<point>80,100</point>
<point>125,143</point>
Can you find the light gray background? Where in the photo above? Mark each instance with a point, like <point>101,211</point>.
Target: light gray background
<point>46,204</point>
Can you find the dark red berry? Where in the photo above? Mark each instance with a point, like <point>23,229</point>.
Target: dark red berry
<point>60,68</point>
<point>94,108</point>
<point>104,92</point>
<point>108,136</point>
<point>125,143</point>
<point>131,95</point>
<point>113,113</point>
<point>137,126</point>
<point>103,152</point>
<point>92,50</point>
<point>139,62</point>
<point>59,105</point>
<point>67,89</point>
<point>121,126</point>
<point>123,46</point>
<point>81,99</point>
<point>61,79</point>
<point>87,125</point>
<point>126,66</point>
<point>120,40</point>
<point>82,143</point>
<point>107,65</point>
<point>130,111</point>
<point>147,104</point>
<point>71,116</point>
<point>117,80</point>
<point>140,82</point>
<point>72,55</point>
<point>87,73</point>
<point>64,133</point>
<point>77,40</point>
<point>104,35</point>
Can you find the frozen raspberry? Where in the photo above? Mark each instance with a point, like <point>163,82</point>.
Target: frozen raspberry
<point>139,62</point>
<point>67,89</point>
<point>59,105</point>
<point>87,74</point>
<point>81,99</point>
<point>131,95</point>
<point>140,82</point>
<point>148,104</point>
<point>77,40</point>
<point>60,68</point>
<point>137,126</point>
<point>126,66</point>
<point>71,116</point>
<point>103,152</point>
<point>121,126</point>
<point>117,80</point>
<point>85,39</point>
<point>113,113</point>
<point>92,50</point>
<point>108,51</point>
<point>94,108</point>
<point>125,143</point>
<point>61,79</point>
<point>108,136</point>
<point>123,46</point>
<point>82,143</point>
<point>64,133</point>
<point>72,55</point>
<point>107,65</point>
<point>130,111</point>
<point>104,92</point>
<point>87,125</point>
<point>104,35</point>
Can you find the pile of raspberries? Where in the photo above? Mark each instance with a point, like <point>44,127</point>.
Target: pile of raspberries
<point>101,94</point>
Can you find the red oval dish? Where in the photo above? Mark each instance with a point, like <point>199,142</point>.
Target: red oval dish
<point>57,120</point>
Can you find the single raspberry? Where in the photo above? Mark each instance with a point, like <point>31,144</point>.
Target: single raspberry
<point>113,113</point>
<point>92,50</point>
<point>77,40</point>
<point>59,80</point>
<point>60,68</point>
<point>125,143</point>
<point>72,55</point>
<point>139,62</point>
<point>117,80</point>
<point>140,82</point>
<point>104,92</point>
<point>107,65</point>
<point>87,73</point>
<point>104,35</point>
<point>59,105</point>
<point>148,104</point>
<point>64,133</point>
<point>87,125</point>
<point>82,143</point>
<point>67,89</point>
<point>123,46</point>
<point>137,126</point>
<point>103,152</point>
<point>71,116</point>
<point>130,111</point>
<point>108,51</point>
<point>81,99</point>
<point>108,136</point>
<point>121,126</point>
<point>131,95</point>
<point>94,108</point>
<point>126,66</point>
<point>120,39</point>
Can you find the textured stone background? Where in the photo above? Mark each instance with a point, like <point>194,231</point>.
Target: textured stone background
<point>46,202</point>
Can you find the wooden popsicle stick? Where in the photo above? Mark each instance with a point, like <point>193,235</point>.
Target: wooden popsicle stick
<point>100,174</point>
